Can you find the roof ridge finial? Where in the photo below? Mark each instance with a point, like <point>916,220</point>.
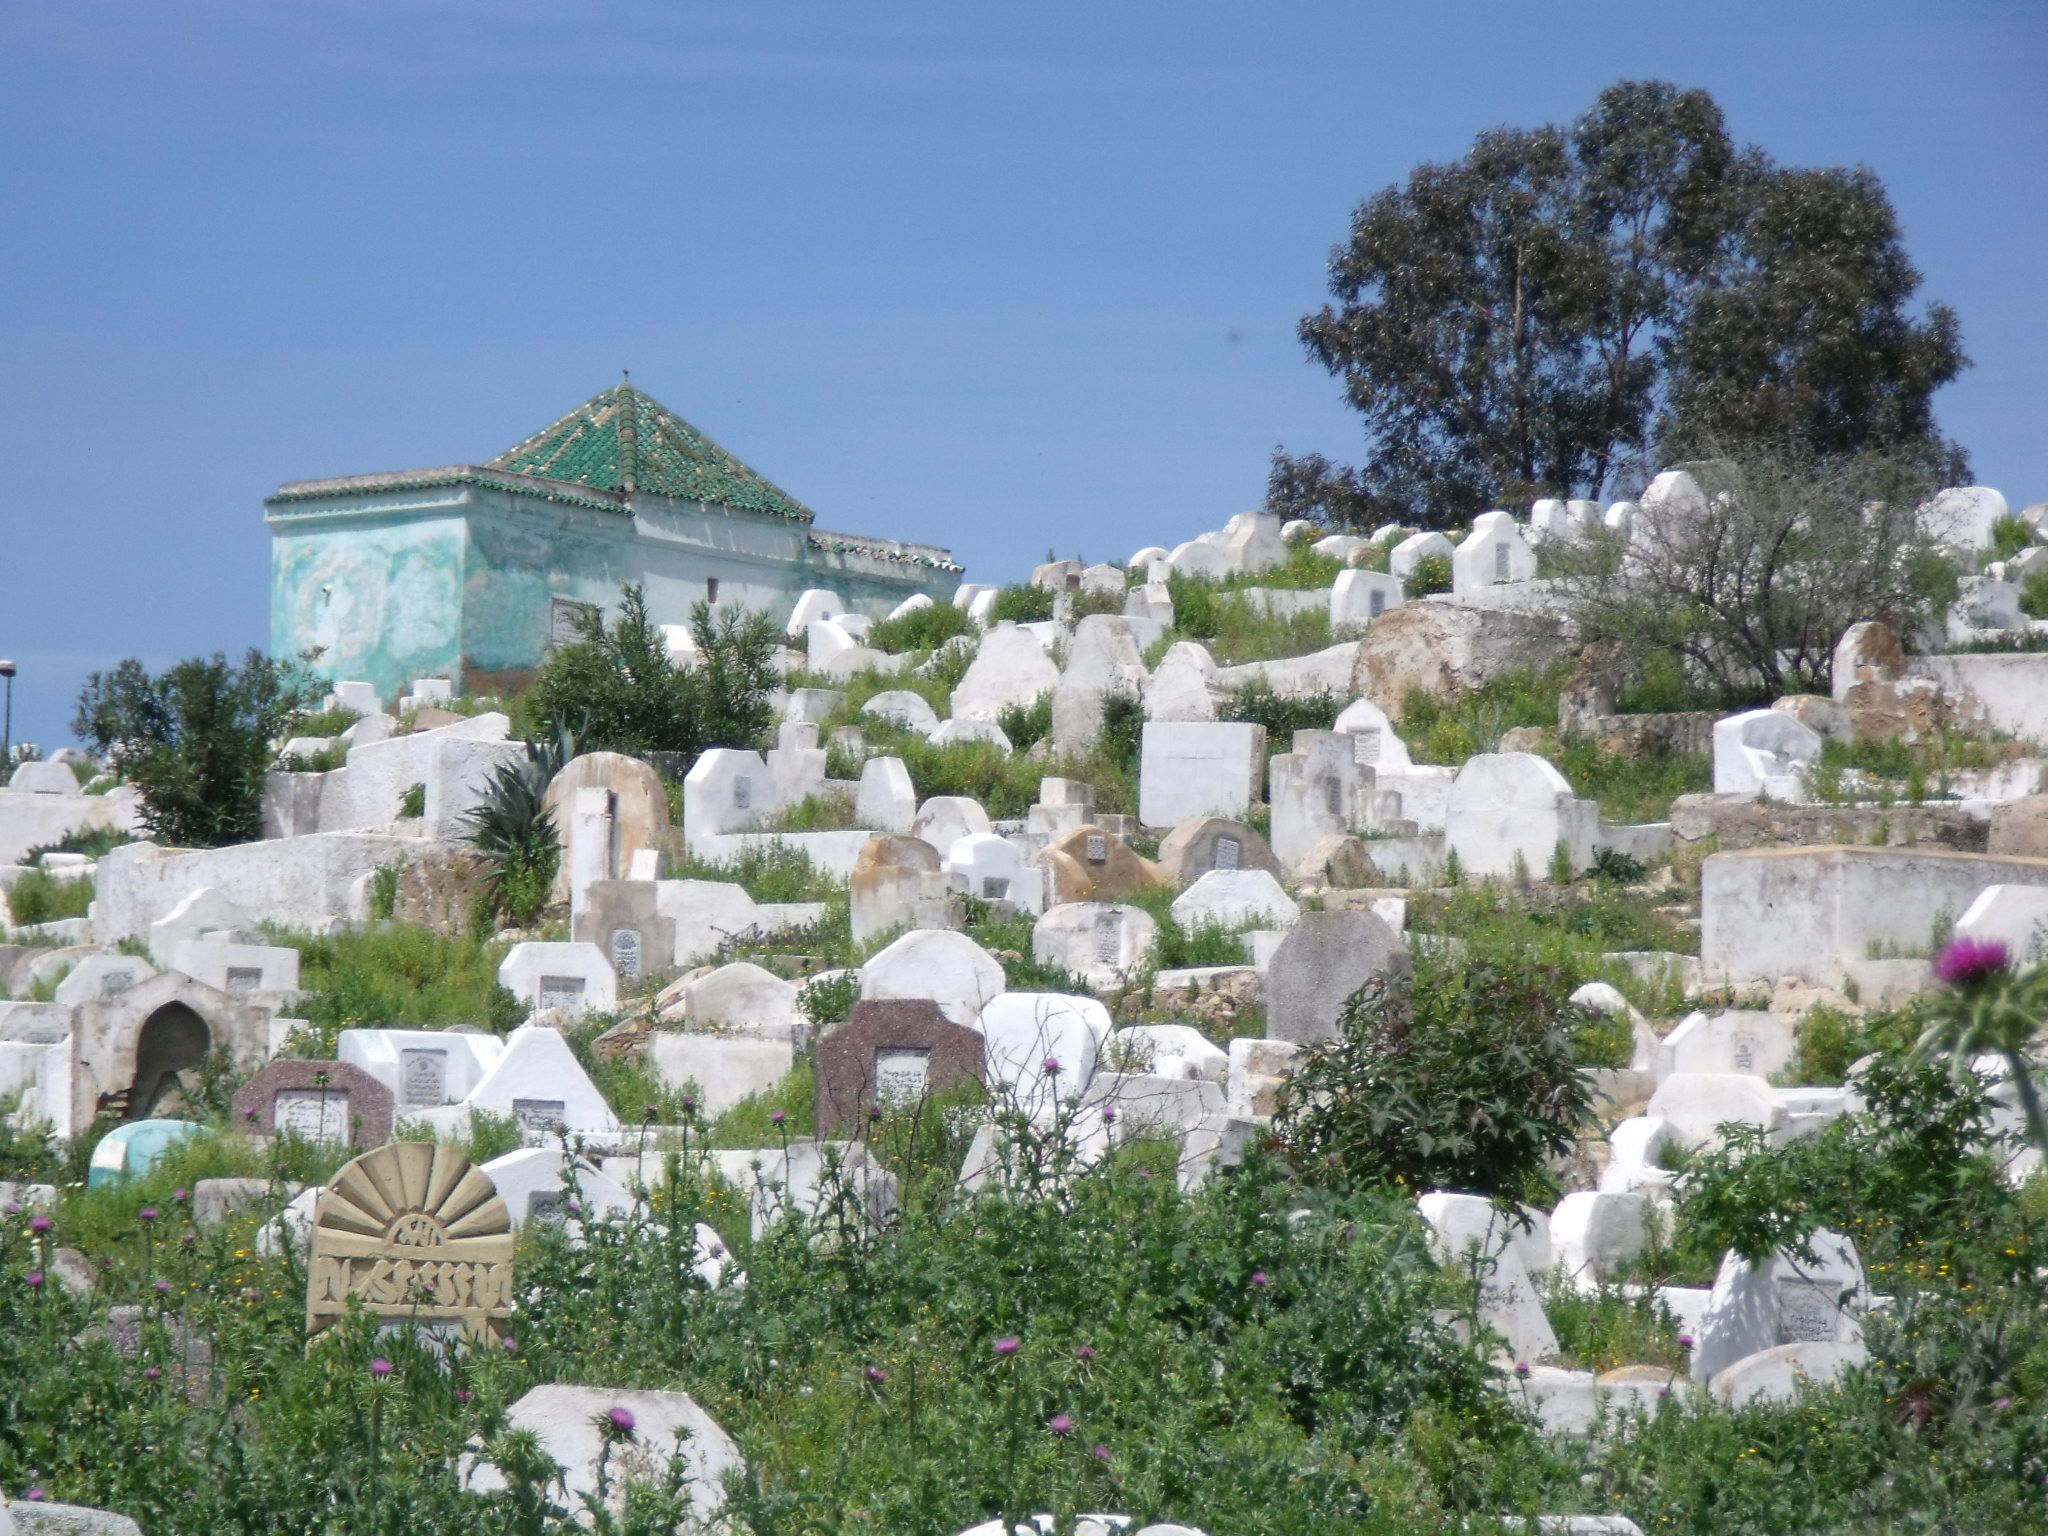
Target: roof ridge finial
<point>629,435</point>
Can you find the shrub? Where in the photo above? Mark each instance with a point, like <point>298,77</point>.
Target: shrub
<point>1026,605</point>
<point>40,897</point>
<point>922,629</point>
<point>618,690</point>
<point>2034,595</point>
<point>1257,703</point>
<point>1468,1078</point>
<point>1432,573</point>
<point>195,740</point>
<point>514,831</point>
<point>399,974</point>
<point>413,804</point>
<point>2009,537</point>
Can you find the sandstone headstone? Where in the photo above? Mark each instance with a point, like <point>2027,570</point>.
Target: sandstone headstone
<point>1090,864</point>
<point>636,807</point>
<point>1201,844</point>
<point>898,882</point>
<point>412,1231</point>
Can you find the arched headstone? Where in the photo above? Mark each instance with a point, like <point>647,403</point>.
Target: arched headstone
<point>415,1232</point>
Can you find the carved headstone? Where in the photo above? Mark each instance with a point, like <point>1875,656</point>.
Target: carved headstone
<point>320,1101</point>
<point>898,1050</point>
<point>412,1231</point>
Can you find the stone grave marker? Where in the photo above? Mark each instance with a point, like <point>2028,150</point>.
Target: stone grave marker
<point>319,1101</point>
<point>1195,847</point>
<point>412,1231</point>
<point>900,1050</point>
<point>1324,959</point>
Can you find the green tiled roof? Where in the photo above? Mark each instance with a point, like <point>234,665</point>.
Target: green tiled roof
<point>624,440</point>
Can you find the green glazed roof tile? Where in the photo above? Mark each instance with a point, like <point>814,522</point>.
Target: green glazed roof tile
<point>624,440</point>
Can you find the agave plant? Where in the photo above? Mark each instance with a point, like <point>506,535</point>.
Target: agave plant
<point>514,831</point>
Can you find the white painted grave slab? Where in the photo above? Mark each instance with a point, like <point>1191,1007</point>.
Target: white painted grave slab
<point>1188,769</point>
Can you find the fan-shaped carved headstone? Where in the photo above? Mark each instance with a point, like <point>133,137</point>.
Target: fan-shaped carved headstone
<point>415,1231</point>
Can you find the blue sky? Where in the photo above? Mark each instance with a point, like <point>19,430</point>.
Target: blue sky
<point>1004,277</point>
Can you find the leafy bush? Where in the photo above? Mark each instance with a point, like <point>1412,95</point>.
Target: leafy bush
<point>2034,595</point>
<point>195,740</point>
<point>1257,703</point>
<point>413,804</point>
<point>399,974</point>
<point>93,842</point>
<point>1026,605</point>
<point>2009,537</point>
<point>1431,574</point>
<point>1449,730</point>
<point>326,722</point>
<point>617,689</point>
<point>922,629</point>
<point>1027,724</point>
<point>1467,1078</point>
<point>40,897</point>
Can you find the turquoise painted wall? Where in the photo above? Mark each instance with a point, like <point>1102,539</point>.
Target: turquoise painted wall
<point>460,580</point>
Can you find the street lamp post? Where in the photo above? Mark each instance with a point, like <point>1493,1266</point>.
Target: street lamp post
<point>7,729</point>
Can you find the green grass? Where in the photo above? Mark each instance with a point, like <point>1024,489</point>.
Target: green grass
<point>399,973</point>
<point>751,1122</point>
<point>40,897</point>
<point>328,722</point>
<point>769,872</point>
<point>1282,716</point>
<point>1630,788</point>
<point>922,629</point>
<point>1605,1329</point>
<point>93,842</point>
<point>1449,730</point>
<point>1235,631</point>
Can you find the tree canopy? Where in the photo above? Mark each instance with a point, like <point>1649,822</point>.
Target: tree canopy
<point>1563,307</point>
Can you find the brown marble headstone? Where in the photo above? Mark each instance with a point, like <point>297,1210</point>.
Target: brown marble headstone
<point>902,1047</point>
<point>328,1101</point>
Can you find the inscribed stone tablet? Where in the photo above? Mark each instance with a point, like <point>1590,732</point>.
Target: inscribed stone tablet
<point>902,1073</point>
<point>742,794</point>
<point>1098,848</point>
<point>561,992</point>
<point>1108,938</point>
<point>315,1114</point>
<point>1807,1313</point>
<point>114,983</point>
<point>626,951</point>
<point>539,1118</point>
<point>544,1205</point>
<point>422,1078</point>
<point>1500,562</point>
<point>1229,853</point>
<point>994,887</point>
<point>244,978</point>
<point>1365,745</point>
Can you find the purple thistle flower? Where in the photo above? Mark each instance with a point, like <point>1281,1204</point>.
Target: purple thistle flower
<point>35,1495</point>
<point>1965,962</point>
<point>163,1287</point>
<point>511,1345</point>
<point>1109,1114</point>
<point>622,1419</point>
<point>1051,1065</point>
<point>1102,1453</point>
<point>463,1394</point>
<point>1685,1341</point>
<point>151,1374</point>
<point>575,1207</point>
<point>1060,1424</point>
<point>180,1196</point>
<point>1259,1280</point>
<point>1008,1345</point>
<point>2003,1403</point>
<point>35,1279</point>
<point>39,1223</point>
<point>1085,1353</point>
<point>689,1103</point>
<point>380,1367</point>
<point>777,1118</point>
<point>147,1213</point>
<point>877,1375</point>
<point>249,1113</point>
<point>1522,1369</point>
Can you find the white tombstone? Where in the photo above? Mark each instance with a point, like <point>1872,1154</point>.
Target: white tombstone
<point>727,790</point>
<point>1764,752</point>
<point>45,778</point>
<point>550,1184</point>
<point>1186,686</point>
<point>560,978</point>
<point>1964,515</point>
<point>359,697</point>
<point>1493,554</point>
<point>1104,661</point>
<point>1318,789</point>
<point>1510,811</point>
<point>1167,1050</point>
<point>911,604</point>
<point>1104,943</point>
<point>1358,597</point>
<point>1375,743</point>
<point>720,1070</point>
<point>742,996</point>
<point>812,606</point>
<point>1196,558</point>
<point>944,819</point>
<point>1695,1105</point>
<point>1508,1302</point>
<point>541,1086</point>
<point>1753,1043</point>
<point>1387,535</point>
<point>1620,520</point>
<point>1252,542</point>
<point>423,1068</point>
<point>949,968</point>
<point>1191,769</point>
<point>570,1424</point>
<point>1340,546</point>
<point>1010,670</point>
<point>2013,915</point>
<point>1549,520</point>
<point>238,969</point>
<point>965,594</point>
<point>1461,1225</point>
<point>1235,898</point>
<point>992,868</point>
<point>1781,1373</point>
<point>1146,558</point>
<point>1042,1047</point>
<point>900,706</point>
<point>1413,550</point>
<point>947,732</point>
<point>1593,1234</point>
<point>99,977</point>
<point>1673,493</point>
<point>886,800</point>
<point>204,911</point>
<point>1785,1300</point>
<point>1151,602</point>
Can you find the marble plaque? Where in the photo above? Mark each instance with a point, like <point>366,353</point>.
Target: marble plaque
<point>313,1114</point>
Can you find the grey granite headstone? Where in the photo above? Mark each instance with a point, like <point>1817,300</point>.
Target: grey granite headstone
<point>1323,960</point>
